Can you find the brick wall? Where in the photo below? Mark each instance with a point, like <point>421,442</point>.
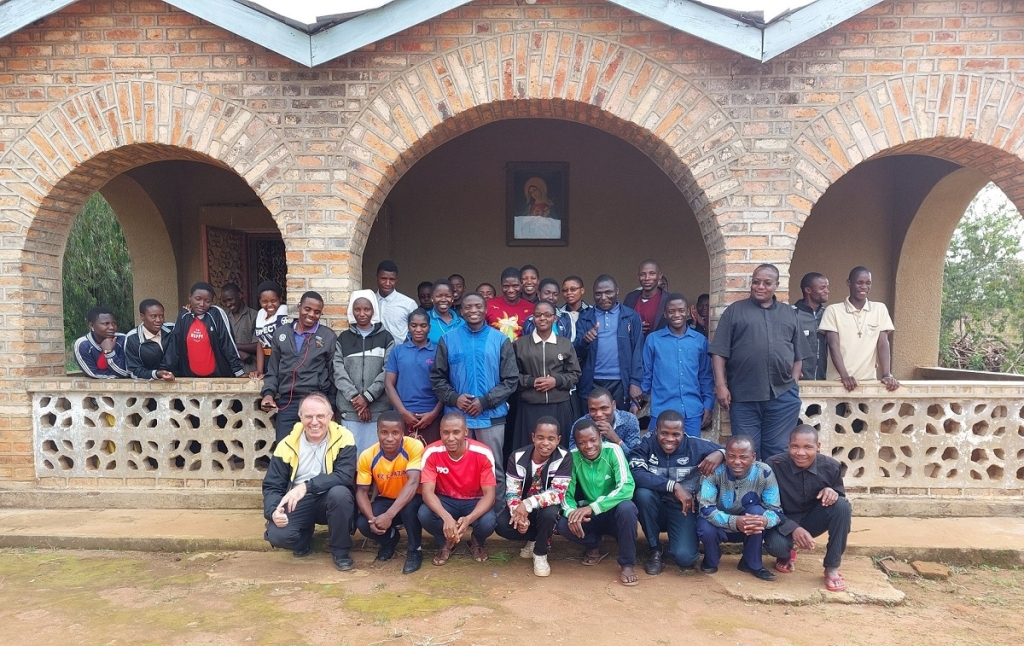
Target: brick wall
<point>105,85</point>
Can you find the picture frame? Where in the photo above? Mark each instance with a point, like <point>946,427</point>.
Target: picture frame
<point>537,204</point>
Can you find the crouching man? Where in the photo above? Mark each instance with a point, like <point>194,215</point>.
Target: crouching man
<point>536,479</point>
<point>814,501</point>
<point>739,501</point>
<point>599,500</point>
<point>666,467</point>
<point>392,467</point>
<point>310,481</point>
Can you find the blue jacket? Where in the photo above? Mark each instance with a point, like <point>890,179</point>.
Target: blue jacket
<point>88,353</point>
<point>631,344</point>
<point>481,364</point>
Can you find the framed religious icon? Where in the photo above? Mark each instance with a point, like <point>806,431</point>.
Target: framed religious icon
<point>537,204</point>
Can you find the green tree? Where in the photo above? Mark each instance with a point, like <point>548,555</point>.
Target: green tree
<point>97,270</point>
<point>983,288</point>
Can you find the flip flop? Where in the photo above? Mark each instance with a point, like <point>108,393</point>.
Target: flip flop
<point>835,583</point>
<point>443,554</point>
<point>594,560</point>
<point>785,568</point>
<point>624,579</point>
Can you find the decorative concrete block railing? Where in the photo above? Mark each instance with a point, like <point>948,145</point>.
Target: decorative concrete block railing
<point>189,433</point>
<point>929,437</point>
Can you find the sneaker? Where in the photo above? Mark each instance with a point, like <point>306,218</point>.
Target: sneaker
<point>344,563</point>
<point>413,561</point>
<point>303,552</point>
<point>540,565</point>
<point>527,551</point>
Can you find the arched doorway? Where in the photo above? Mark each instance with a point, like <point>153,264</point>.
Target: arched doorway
<point>895,214</point>
<point>447,214</point>
<point>547,74</point>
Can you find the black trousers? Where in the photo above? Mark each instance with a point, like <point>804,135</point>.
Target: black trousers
<point>335,508</point>
<point>407,516</point>
<point>542,526</point>
<point>835,519</point>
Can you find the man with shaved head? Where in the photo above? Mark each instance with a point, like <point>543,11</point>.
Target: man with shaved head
<point>757,356</point>
<point>814,501</point>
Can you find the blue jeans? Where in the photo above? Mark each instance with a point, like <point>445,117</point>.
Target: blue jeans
<point>482,527</point>
<point>768,423</point>
<point>657,514</point>
<point>712,537</point>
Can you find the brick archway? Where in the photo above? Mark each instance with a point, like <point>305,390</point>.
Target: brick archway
<point>544,74</point>
<point>969,120</point>
<point>78,146</point>
<point>972,120</point>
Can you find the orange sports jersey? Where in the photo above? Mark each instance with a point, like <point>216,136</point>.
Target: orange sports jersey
<point>389,475</point>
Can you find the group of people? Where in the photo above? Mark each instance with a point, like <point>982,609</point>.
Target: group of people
<point>481,374</point>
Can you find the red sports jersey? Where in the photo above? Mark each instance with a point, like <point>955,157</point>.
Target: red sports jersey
<point>199,350</point>
<point>508,319</point>
<point>464,478</point>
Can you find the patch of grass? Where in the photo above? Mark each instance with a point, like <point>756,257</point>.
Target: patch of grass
<point>398,605</point>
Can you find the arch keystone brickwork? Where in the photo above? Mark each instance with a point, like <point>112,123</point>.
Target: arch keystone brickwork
<point>545,74</point>
<point>973,120</point>
<point>52,168</point>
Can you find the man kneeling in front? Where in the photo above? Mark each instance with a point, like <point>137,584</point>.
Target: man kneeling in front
<point>310,481</point>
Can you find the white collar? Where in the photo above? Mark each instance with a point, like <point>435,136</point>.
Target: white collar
<point>551,339</point>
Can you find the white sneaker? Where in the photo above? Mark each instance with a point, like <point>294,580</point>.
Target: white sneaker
<point>540,565</point>
<point>527,551</point>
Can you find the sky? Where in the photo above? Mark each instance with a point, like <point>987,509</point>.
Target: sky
<point>307,11</point>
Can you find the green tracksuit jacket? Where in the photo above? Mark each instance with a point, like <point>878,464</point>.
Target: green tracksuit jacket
<point>602,483</point>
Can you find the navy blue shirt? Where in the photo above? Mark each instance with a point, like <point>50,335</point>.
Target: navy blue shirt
<point>412,365</point>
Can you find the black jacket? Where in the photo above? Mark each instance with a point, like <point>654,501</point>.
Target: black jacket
<point>224,350</point>
<point>142,356</point>
<point>299,373</point>
<point>659,317</point>
<point>339,467</point>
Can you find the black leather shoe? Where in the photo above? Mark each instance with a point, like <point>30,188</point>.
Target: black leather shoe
<point>387,550</point>
<point>707,569</point>
<point>654,566</point>
<point>762,574</point>
<point>344,563</point>
<point>413,561</point>
<point>303,552</point>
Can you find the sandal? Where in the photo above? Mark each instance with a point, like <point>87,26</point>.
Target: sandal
<point>478,552</point>
<point>594,560</point>
<point>835,583</point>
<point>629,580</point>
<point>443,554</point>
<point>789,566</point>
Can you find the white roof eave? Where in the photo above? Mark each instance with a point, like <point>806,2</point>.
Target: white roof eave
<point>719,25</point>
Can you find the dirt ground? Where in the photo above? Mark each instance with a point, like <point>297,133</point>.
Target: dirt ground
<point>90,597</point>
